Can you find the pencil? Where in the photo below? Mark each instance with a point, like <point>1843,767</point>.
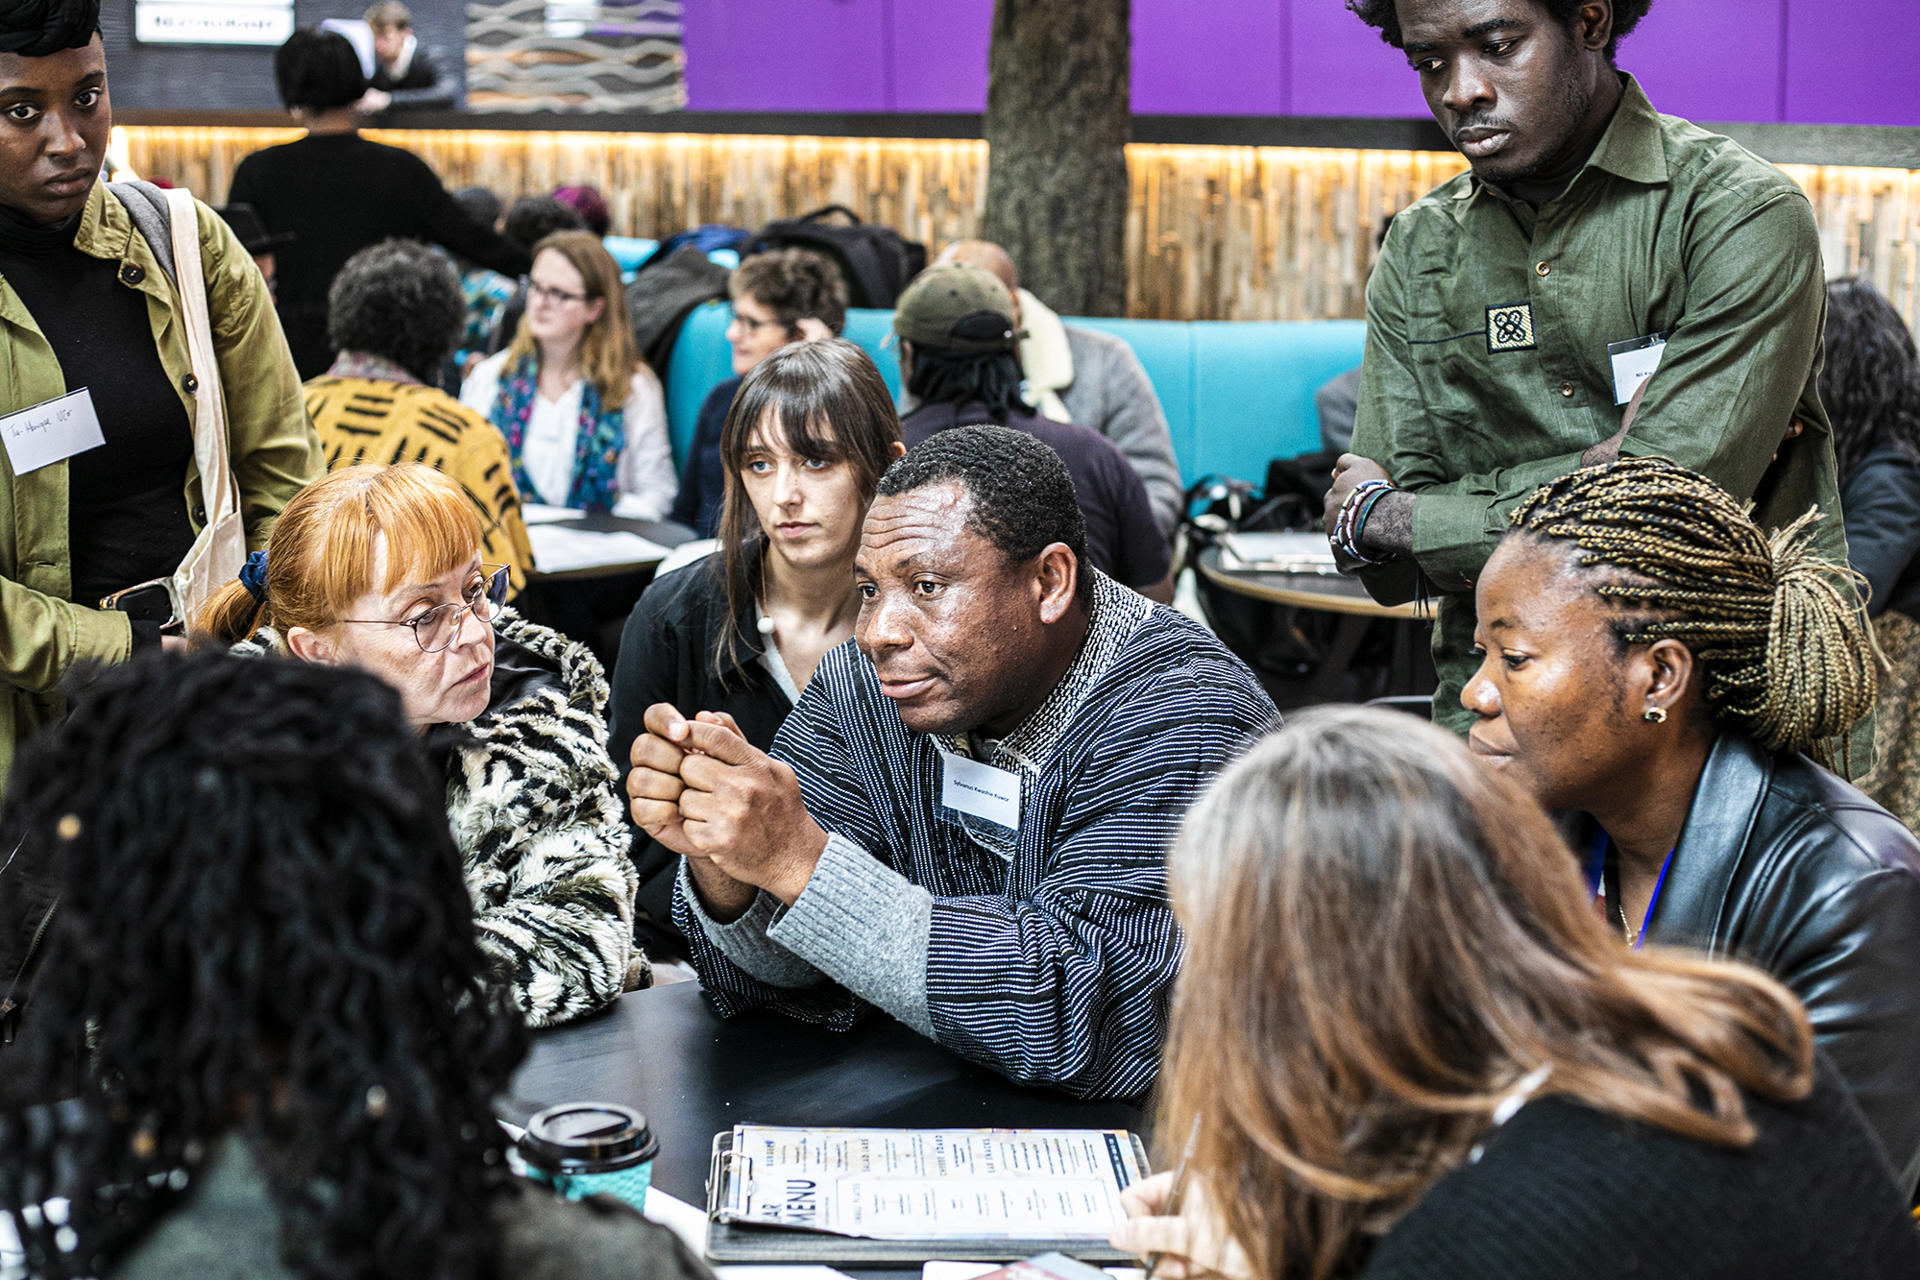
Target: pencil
<point>1179,1189</point>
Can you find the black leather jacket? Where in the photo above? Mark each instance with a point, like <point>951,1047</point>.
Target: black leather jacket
<point>1787,867</point>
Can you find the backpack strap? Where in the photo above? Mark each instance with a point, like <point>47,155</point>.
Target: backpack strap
<point>146,204</point>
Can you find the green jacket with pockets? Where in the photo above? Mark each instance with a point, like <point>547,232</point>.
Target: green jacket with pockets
<point>43,633</point>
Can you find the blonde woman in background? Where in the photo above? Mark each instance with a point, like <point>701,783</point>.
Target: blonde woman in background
<point>584,417</point>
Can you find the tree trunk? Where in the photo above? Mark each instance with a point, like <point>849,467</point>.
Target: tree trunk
<point>1057,123</point>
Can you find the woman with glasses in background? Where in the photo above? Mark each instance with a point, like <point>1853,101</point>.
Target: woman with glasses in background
<point>584,417</point>
<point>379,568</point>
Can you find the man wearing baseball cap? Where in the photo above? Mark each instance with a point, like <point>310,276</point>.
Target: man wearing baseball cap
<point>959,345</point>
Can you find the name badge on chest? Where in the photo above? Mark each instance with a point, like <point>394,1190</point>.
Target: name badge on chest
<point>1634,361</point>
<point>980,790</point>
<point>50,431</point>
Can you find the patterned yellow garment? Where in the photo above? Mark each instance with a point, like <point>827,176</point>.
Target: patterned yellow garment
<point>362,420</point>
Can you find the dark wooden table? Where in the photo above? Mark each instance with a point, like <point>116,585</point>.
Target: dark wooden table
<point>694,1074</point>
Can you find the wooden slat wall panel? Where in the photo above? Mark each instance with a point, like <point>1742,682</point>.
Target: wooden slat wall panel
<point>1213,233</point>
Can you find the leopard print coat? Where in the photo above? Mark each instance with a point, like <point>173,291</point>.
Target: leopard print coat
<point>532,800</point>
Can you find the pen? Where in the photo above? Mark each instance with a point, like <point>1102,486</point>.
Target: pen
<point>1178,1190</point>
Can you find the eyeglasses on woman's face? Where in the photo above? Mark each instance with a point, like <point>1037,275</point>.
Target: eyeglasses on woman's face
<point>438,627</point>
<point>537,292</point>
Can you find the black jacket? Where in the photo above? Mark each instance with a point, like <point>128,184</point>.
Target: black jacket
<point>666,655</point>
<point>1574,1193</point>
<point>425,87</point>
<point>1787,867</point>
<point>29,888</point>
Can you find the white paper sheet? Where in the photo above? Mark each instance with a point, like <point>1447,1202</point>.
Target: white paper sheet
<point>557,548</point>
<point>907,1184</point>
<point>540,513</point>
<point>1277,552</point>
<point>974,1270</point>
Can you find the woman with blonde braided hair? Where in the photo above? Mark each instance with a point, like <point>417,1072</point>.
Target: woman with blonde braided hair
<point>1657,668</point>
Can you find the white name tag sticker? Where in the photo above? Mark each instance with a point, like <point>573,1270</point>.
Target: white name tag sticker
<point>980,790</point>
<point>50,431</point>
<point>1634,362</point>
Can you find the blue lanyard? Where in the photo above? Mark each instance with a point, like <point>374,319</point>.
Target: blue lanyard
<point>1596,878</point>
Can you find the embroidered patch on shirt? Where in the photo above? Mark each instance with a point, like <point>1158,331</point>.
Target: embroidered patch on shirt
<point>1510,328</point>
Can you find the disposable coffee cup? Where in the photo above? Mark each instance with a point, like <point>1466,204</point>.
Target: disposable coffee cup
<point>591,1148</point>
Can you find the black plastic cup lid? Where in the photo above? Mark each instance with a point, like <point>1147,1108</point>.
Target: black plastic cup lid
<point>588,1137</point>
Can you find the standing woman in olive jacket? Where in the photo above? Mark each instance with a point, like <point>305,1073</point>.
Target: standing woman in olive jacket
<point>84,302</point>
<point>1658,668</point>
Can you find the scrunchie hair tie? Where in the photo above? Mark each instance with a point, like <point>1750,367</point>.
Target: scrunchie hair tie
<point>253,576</point>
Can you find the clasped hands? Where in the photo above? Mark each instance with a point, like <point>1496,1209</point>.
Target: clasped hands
<point>734,812</point>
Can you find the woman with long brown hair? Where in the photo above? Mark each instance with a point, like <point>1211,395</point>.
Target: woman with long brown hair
<point>1405,1046</point>
<point>810,432</point>
<point>584,417</point>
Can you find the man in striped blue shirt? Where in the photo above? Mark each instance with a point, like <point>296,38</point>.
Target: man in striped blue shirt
<point>964,820</point>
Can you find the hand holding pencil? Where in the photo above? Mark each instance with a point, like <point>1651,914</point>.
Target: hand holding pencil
<point>1171,1223</point>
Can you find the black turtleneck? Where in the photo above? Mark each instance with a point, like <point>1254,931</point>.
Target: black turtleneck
<point>127,511</point>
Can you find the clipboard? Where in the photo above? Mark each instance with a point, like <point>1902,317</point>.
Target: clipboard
<point>736,1242</point>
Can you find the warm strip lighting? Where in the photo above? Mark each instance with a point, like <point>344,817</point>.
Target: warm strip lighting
<point>1213,233</point>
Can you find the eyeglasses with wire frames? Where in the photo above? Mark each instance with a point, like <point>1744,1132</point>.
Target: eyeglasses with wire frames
<point>556,296</point>
<point>440,626</point>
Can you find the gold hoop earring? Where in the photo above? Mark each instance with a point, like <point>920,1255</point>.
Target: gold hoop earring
<point>1656,714</point>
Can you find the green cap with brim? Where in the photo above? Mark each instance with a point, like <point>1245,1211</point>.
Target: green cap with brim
<point>941,297</point>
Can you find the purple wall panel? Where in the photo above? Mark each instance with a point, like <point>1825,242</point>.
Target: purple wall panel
<point>787,55</point>
<point>1339,66</point>
<point>1843,61</point>
<point>1693,62</point>
<point>1217,57</point>
<point>1853,62</point>
<point>940,54</point>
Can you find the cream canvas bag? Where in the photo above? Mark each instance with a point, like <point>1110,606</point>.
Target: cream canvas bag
<point>171,226</point>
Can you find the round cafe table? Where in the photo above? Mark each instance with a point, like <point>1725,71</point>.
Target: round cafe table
<point>1331,593</point>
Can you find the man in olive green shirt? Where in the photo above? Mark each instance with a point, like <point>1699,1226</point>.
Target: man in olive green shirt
<point>1588,220</point>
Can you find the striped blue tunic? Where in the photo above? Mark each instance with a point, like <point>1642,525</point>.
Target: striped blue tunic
<point>1049,951</point>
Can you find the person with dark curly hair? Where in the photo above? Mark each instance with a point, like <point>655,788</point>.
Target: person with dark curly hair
<point>1871,385</point>
<point>788,295</point>
<point>1656,666</point>
<point>396,309</point>
<point>963,820</point>
<point>264,941</point>
<point>338,192</point>
<point>1515,312</point>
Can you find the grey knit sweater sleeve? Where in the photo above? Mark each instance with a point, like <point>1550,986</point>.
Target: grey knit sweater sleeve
<point>745,942</point>
<point>864,925</point>
<point>1112,394</point>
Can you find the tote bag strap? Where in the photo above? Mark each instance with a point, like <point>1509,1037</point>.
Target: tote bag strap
<point>221,548</point>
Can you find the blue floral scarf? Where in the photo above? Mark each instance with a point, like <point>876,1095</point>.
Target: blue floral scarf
<point>597,444</point>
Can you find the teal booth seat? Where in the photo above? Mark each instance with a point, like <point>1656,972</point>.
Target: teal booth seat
<point>1236,393</point>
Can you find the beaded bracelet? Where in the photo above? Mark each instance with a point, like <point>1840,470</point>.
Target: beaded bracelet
<point>1352,520</point>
